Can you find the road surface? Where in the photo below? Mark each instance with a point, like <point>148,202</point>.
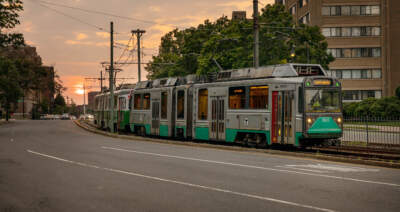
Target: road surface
<point>57,166</point>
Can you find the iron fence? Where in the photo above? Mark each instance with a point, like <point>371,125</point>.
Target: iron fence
<point>371,132</point>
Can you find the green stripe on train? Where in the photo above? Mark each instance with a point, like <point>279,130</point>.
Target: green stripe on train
<point>201,133</point>
<point>324,125</point>
<point>164,130</point>
<point>231,134</point>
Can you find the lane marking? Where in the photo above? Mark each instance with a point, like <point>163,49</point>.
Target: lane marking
<point>254,167</point>
<point>301,169</point>
<point>331,167</point>
<point>181,183</point>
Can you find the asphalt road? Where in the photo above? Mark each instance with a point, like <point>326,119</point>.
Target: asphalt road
<point>56,166</point>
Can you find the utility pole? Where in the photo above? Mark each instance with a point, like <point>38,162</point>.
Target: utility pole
<point>111,72</point>
<point>84,100</point>
<point>101,81</point>
<point>139,34</point>
<point>256,29</point>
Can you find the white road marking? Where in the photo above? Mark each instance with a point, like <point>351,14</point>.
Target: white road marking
<point>301,169</point>
<point>182,183</point>
<point>256,167</point>
<point>331,167</point>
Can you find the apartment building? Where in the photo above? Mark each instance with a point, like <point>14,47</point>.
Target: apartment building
<point>363,36</point>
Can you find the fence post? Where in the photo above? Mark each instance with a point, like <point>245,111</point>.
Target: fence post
<point>366,123</point>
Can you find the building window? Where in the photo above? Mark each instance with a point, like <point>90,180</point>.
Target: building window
<point>258,97</point>
<point>355,52</point>
<point>326,11</point>
<point>164,105</point>
<point>237,98</point>
<point>203,104</point>
<point>305,19</point>
<point>358,95</point>
<point>351,31</point>
<point>292,10</point>
<point>363,10</point>
<point>181,105</point>
<point>357,74</point>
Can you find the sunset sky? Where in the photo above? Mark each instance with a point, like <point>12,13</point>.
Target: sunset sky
<point>71,41</point>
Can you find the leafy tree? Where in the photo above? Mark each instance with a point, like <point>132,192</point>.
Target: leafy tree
<point>230,43</point>
<point>9,19</point>
<point>10,90</point>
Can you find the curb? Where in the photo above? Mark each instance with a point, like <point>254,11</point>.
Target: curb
<point>243,149</point>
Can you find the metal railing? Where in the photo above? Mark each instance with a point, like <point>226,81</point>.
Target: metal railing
<point>373,132</point>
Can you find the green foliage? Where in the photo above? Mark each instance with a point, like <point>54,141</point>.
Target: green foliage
<point>230,43</point>
<point>388,107</point>
<point>9,19</point>
<point>10,90</point>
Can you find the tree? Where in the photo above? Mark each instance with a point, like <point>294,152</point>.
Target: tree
<point>59,104</point>
<point>230,43</point>
<point>10,90</point>
<point>398,92</point>
<point>9,19</point>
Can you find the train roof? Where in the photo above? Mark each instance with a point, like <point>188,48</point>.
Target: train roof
<point>293,72</point>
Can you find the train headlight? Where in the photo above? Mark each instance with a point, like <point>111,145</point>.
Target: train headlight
<point>339,120</point>
<point>309,120</point>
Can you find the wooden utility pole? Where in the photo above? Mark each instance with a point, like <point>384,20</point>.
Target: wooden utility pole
<point>256,29</point>
<point>139,34</point>
<point>111,72</point>
<point>101,81</point>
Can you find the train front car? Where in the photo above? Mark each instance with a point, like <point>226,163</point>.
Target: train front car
<point>322,111</point>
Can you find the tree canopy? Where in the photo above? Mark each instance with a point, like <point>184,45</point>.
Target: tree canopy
<point>230,43</point>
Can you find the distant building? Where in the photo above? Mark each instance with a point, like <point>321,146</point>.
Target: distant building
<point>239,15</point>
<point>31,99</point>
<point>363,37</point>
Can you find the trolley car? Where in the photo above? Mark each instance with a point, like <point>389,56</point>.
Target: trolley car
<point>295,104</point>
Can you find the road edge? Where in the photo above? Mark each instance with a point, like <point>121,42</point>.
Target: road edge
<point>242,149</point>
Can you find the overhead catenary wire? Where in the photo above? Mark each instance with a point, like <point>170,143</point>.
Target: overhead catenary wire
<point>72,17</point>
<point>103,13</point>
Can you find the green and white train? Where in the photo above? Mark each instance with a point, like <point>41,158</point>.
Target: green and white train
<point>295,104</point>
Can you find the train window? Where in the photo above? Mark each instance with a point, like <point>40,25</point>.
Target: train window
<point>258,97</point>
<point>164,105</point>
<point>137,102</point>
<point>203,104</point>
<point>237,98</point>
<point>181,105</point>
<point>146,101</point>
<point>130,102</point>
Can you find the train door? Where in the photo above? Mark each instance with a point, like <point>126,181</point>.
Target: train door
<point>120,115</point>
<point>155,118</point>
<point>217,128</point>
<point>282,121</point>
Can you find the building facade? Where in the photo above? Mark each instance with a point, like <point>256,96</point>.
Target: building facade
<point>362,36</point>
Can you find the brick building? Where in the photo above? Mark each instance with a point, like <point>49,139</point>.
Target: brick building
<point>363,37</point>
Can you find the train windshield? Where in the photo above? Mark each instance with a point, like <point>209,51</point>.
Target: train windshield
<point>322,100</point>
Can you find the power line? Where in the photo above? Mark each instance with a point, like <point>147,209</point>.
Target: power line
<point>103,13</point>
<point>72,17</point>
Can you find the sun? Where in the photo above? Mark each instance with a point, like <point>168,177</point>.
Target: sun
<point>79,91</point>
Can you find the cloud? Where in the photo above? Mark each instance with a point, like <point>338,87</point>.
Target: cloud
<point>155,8</point>
<point>81,36</point>
<point>103,34</point>
<point>237,4</point>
